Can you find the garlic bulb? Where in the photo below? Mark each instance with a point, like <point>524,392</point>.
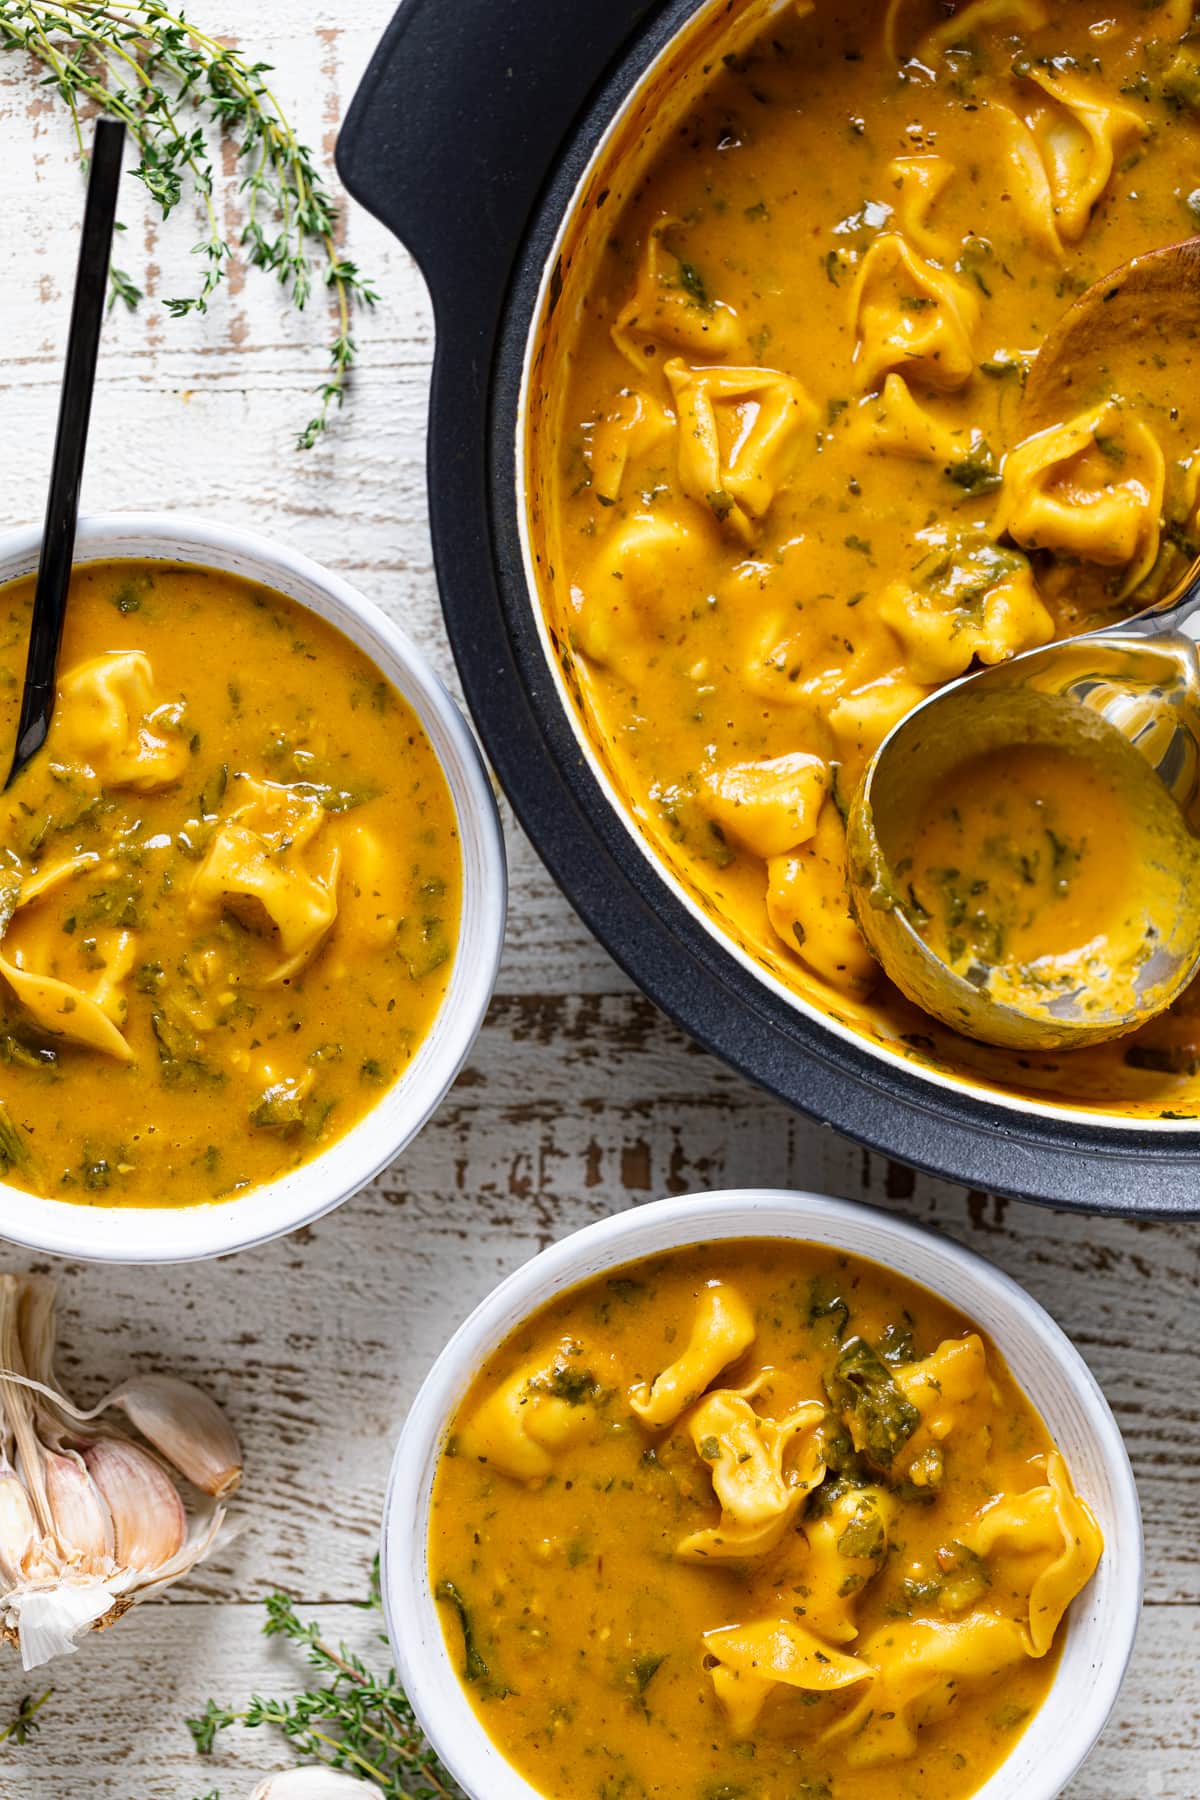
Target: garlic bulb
<point>91,1520</point>
<point>314,1783</point>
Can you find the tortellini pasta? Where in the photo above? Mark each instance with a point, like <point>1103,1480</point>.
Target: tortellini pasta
<point>633,424</point>
<point>369,900</point>
<point>1092,488</point>
<point>111,720</point>
<point>975,16</point>
<point>69,985</point>
<point>257,868</point>
<point>539,1411</point>
<point>671,305</point>
<point>803,661</point>
<point>808,907</point>
<point>912,316</point>
<point>945,626</point>
<point>846,1547</point>
<point>894,423</point>
<point>1044,1544</point>
<point>746,1454</point>
<point>952,1394</point>
<point>722,1328</point>
<point>738,434</point>
<point>72,990</point>
<point>921,1668</point>
<point>917,182</point>
<point>861,719</point>
<point>750,1661</point>
<point>1079,134</point>
<point>648,570</point>
<point>769,806</point>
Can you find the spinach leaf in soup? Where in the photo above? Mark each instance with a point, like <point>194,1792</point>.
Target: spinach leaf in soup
<point>880,1417</point>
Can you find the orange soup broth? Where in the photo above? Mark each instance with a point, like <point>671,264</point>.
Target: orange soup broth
<point>773,162</point>
<point>270,692</point>
<point>572,1585</point>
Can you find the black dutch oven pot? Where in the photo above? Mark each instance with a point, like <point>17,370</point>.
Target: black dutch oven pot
<point>467,138</point>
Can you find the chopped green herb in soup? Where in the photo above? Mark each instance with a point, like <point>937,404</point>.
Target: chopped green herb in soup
<point>229,891</point>
<point>755,1521</point>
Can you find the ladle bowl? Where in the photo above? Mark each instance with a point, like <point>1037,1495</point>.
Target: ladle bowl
<point>1128,696</point>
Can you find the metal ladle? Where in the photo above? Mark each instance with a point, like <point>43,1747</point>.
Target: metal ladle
<point>1127,694</point>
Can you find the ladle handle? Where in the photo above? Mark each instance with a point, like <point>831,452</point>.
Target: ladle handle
<point>70,443</point>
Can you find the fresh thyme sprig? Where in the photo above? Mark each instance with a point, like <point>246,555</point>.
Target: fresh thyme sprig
<point>357,1721</point>
<point>149,65</point>
<point>25,1721</point>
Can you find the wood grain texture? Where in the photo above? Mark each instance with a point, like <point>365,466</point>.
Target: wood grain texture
<point>578,1100</point>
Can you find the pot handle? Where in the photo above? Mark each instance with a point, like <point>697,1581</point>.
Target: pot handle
<point>457,120</point>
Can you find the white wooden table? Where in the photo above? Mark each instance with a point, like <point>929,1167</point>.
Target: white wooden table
<point>579,1098</point>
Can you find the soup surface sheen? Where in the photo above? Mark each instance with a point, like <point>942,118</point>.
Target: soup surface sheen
<point>231,888</point>
<point>780,493</point>
<point>756,1521</point>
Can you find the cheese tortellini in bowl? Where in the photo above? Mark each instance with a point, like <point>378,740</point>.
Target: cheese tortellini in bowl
<point>233,887</point>
<point>753,1500</point>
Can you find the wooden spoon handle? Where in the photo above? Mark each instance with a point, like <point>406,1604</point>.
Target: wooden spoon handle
<point>70,444</point>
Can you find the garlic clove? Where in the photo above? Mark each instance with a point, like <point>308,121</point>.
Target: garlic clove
<point>149,1523</point>
<point>18,1527</point>
<point>82,1522</point>
<point>314,1783</point>
<point>187,1427</point>
<point>203,1532</point>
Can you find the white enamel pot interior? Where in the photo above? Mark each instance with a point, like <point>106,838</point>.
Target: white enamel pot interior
<point>1102,1622</point>
<point>178,1234</point>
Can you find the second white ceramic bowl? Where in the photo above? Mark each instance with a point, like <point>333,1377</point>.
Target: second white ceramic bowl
<point>178,1234</point>
<point>1102,1622</point>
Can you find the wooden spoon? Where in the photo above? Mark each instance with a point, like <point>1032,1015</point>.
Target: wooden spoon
<point>1134,333</point>
<point>70,444</point>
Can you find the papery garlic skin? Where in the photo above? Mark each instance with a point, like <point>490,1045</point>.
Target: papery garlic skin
<point>50,1620</point>
<point>314,1783</point>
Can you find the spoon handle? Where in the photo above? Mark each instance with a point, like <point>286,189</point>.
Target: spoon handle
<point>74,413</point>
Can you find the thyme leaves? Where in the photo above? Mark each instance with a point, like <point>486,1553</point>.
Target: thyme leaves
<point>177,88</point>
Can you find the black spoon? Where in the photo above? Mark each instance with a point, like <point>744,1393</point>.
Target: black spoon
<point>66,471</point>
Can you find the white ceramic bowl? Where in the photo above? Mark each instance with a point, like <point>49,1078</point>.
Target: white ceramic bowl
<point>1102,1622</point>
<point>178,1234</point>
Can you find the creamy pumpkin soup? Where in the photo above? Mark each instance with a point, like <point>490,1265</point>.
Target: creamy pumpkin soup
<point>779,486</point>
<point>230,887</point>
<point>754,1519</point>
<point>1046,875</point>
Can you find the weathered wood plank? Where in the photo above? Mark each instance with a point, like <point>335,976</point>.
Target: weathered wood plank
<point>570,1109</point>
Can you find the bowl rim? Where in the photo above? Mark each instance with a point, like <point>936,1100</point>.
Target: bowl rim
<point>299,1197</point>
<point>414,1628</point>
